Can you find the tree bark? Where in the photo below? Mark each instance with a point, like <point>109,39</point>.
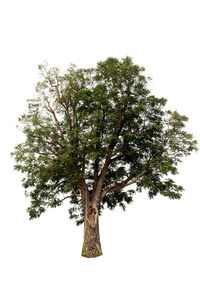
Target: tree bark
<point>91,245</point>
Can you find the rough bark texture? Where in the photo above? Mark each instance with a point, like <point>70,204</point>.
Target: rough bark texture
<point>91,245</point>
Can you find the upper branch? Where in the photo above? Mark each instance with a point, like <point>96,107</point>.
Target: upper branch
<point>50,109</point>
<point>59,93</point>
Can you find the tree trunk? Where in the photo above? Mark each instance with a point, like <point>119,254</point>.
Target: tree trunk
<point>91,245</point>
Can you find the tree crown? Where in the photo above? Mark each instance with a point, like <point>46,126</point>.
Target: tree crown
<point>100,129</point>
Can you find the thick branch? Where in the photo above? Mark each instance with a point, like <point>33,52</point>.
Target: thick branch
<point>96,171</point>
<point>84,194</point>
<point>96,162</point>
<point>111,146</point>
<point>125,183</point>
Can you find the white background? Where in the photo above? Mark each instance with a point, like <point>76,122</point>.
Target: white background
<point>155,243</point>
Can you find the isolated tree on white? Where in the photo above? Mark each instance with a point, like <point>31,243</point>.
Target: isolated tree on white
<point>90,134</point>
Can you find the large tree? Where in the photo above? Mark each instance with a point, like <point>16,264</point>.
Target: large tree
<point>92,133</point>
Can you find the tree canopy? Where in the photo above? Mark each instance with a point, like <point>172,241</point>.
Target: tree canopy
<point>100,129</point>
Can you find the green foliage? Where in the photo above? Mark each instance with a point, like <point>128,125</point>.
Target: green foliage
<point>83,117</point>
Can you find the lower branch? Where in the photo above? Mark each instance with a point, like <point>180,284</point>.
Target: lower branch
<point>125,183</point>
<point>76,192</point>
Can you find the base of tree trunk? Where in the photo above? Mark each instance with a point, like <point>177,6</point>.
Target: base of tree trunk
<point>91,250</point>
<point>91,245</point>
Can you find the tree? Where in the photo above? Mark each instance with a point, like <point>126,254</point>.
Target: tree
<point>90,134</point>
